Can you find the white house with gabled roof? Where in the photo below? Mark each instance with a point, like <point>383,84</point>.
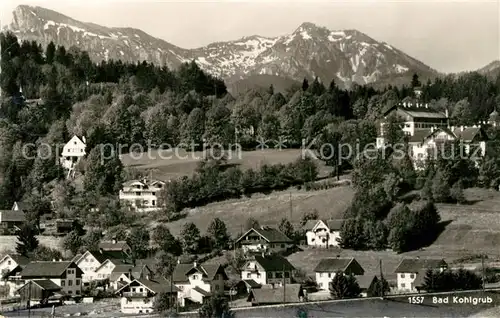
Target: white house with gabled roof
<point>72,152</point>
<point>323,233</point>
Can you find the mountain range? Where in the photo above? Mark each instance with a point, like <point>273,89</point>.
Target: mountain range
<point>346,56</point>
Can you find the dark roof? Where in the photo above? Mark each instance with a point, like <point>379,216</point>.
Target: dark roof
<point>468,133</point>
<point>202,291</point>
<point>156,284</point>
<point>19,259</point>
<point>251,283</point>
<point>110,246</point>
<point>331,265</point>
<point>365,281</point>
<point>417,112</point>
<point>269,234</point>
<point>46,284</point>
<point>12,216</point>
<point>419,135</point>
<point>136,271</point>
<point>209,271</point>
<point>293,292</point>
<point>273,263</point>
<point>77,257</point>
<point>415,265</point>
<point>335,224</point>
<point>13,272</point>
<point>46,269</point>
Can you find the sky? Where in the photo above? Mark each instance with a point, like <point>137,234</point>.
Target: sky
<point>449,36</point>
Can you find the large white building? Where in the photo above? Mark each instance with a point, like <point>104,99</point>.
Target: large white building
<point>72,152</point>
<point>142,195</point>
<point>428,129</point>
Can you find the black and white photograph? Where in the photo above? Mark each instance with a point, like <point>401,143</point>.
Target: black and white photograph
<point>250,158</point>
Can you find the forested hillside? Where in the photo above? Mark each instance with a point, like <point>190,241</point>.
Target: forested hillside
<point>123,103</point>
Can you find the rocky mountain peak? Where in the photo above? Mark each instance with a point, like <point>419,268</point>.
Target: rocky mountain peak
<point>346,56</point>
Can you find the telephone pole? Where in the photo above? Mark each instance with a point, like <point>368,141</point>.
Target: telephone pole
<point>381,280</point>
<point>291,207</point>
<point>29,299</point>
<point>482,271</point>
<point>284,285</point>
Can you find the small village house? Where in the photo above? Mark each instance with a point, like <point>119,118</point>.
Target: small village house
<point>89,262</point>
<point>323,233</point>
<point>104,271</point>
<point>293,293</point>
<point>39,291</point>
<point>139,296</point>
<point>11,221</point>
<point>365,282</point>
<point>197,282</point>
<point>115,246</point>
<point>125,273</point>
<point>411,272</point>
<point>72,152</point>
<point>10,267</point>
<point>262,270</point>
<point>328,267</point>
<point>142,195</point>
<point>66,275</point>
<point>264,239</point>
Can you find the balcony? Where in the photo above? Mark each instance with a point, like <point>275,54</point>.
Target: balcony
<point>135,294</point>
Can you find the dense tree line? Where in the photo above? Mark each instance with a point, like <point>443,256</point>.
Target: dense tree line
<point>212,182</point>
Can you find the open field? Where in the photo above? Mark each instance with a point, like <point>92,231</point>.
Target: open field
<point>268,209</point>
<point>178,162</point>
<point>8,242</point>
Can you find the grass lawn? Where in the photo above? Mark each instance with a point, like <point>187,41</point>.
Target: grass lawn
<point>268,209</point>
<point>178,163</point>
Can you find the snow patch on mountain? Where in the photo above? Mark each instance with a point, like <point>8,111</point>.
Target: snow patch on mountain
<point>305,35</point>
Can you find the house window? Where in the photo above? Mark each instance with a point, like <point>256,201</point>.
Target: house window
<point>153,202</point>
<point>70,292</point>
<point>78,292</point>
<point>137,193</point>
<point>320,274</point>
<point>63,283</point>
<point>8,262</point>
<point>412,276</point>
<point>402,275</point>
<point>282,245</point>
<point>154,193</point>
<point>195,277</point>
<point>287,274</point>
<point>249,275</point>
<point>403,285</point>
<point>320,284</point>
<point>70,283</point>
<point>77,282</point>
<point>258,275</point>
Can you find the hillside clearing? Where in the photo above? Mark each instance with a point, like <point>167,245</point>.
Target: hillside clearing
<point>269,209</point>
<point>173,163</point>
